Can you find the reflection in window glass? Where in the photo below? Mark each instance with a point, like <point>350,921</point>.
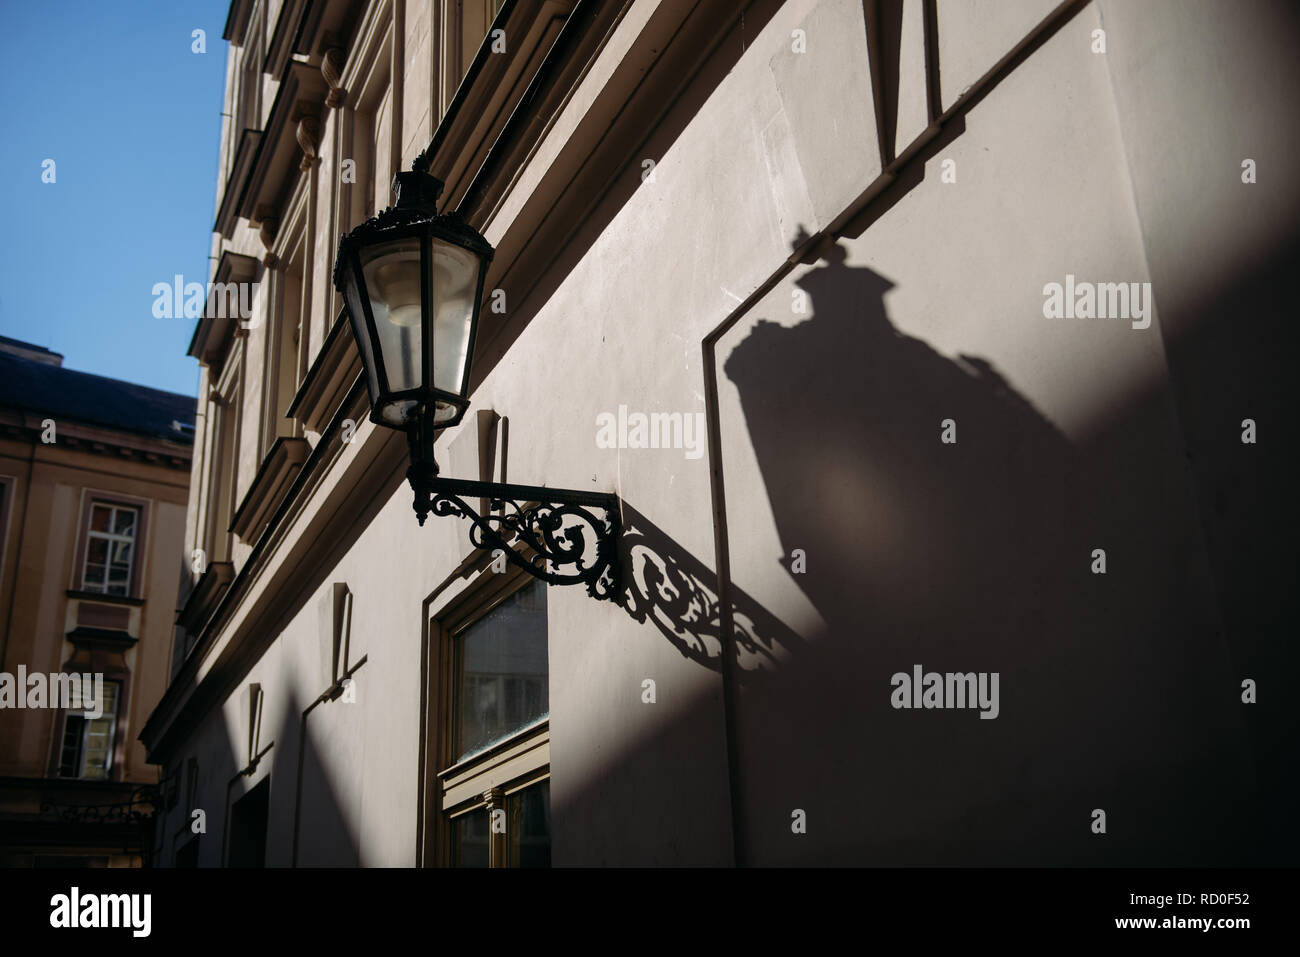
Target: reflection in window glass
<point>501,671</point>
<point>529,830</point>
<point>469,839</point>
<point>88,741</point>
<point>109,546</point>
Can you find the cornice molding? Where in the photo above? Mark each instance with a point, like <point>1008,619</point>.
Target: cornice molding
<point>88,438</point>
<point>249,141</point>
<point>214,332</point>
<point>204,598</point>
<point>276,167</point>
<point>272,482</point>
<point>237,21</point>
<point>336,368</point>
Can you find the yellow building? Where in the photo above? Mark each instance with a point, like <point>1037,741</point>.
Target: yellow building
<point>94,475</point>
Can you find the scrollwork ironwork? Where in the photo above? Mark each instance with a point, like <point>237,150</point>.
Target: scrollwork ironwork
<point>566,542</point>
<point>136,809</point>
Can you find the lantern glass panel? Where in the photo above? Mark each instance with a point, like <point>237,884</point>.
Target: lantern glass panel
<point>392,273</point>
<point>455,290</point>
<point>358,317</point>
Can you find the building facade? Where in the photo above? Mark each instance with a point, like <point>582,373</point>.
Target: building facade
<point>94,475</point>
<point>934,350</point>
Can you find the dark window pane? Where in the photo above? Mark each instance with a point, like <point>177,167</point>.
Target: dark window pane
<point>494,656</point>
<point>248,819</point>
<point>124,523</point>
<point>70,759</point>
<point>529,831</point>
<point>94,577</point>
<point>100,518</point>
<point>188,855</point>
<point>469,839</point>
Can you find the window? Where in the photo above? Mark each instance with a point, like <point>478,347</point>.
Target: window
<point>526,822</point>
<point>465,25</point>
<point>224,413</point>
<point>248,819</point>
<point>367,151</point>
<point>371,138</point>
<point>496,786</point>
<point>379,165</point>
<point>245,96</point>
<point>249,114</point>
<point>88,741</point>
<point>501,672</point>
<point>286,332</point>
<point>110,548</point>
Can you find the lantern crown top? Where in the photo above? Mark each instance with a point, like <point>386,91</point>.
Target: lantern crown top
<point>415,189</point>
<point>417,195</point>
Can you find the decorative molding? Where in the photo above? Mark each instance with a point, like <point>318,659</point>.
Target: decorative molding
<point>275,168</point>
<point>203,599</point>
<point>519,761</point>
<point>101,637</point>
<point>253,698</point>
<point>268,224</point>
<point>214,332</point>
<point>331,68</point>
<point>237,21</point>
<point>177,458</point>
<point>237,182</point>
<point>284,34</point>
<point>273,479</point>
<point>336,368</point>
<point>494,87</point>
<point>308,133</point>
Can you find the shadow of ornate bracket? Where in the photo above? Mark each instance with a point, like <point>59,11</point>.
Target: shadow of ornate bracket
<point>567,542</point>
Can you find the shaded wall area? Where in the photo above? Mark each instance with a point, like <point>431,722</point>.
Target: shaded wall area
<point>1215,88</point>
<point>975,556</point>
<point>1120,691</point>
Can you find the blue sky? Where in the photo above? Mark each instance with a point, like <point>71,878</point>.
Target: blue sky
<point>132,118</point>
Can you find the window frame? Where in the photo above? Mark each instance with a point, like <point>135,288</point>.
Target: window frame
<point>364,118</point>
<point>139,550</point>
<point>490,778</point>
<point>115,542</point>
<point>463,25</point>
<point>114,749</point>
<point>248,109</point>
<point>220,486</point>
<point>287,329</point>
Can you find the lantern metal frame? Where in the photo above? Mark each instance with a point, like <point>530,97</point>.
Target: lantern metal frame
<point>552,525</point>
<point>414,216</point>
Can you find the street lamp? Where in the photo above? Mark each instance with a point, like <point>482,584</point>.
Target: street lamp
<point>412,282</point>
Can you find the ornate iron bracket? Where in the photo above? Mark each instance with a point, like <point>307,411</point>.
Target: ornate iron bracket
<point>139,806</point>
<point>568,543</point>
